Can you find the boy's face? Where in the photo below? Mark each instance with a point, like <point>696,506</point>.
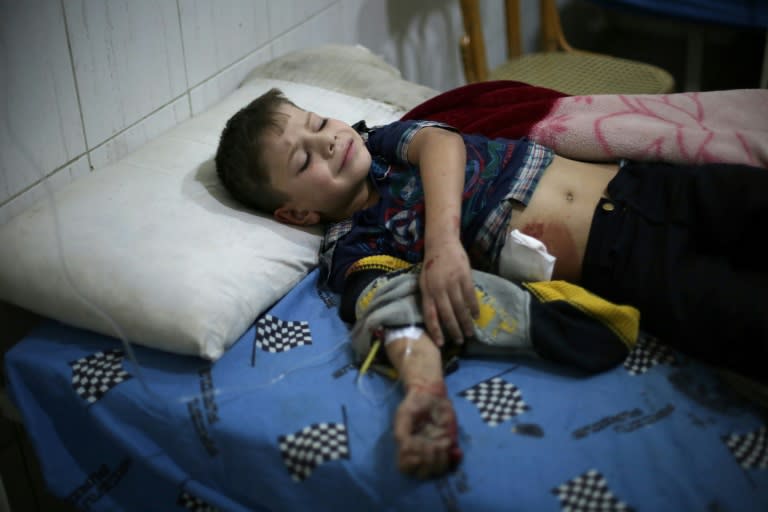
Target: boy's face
<point>321,164</point>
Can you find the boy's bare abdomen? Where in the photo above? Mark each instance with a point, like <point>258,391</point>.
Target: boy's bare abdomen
<point>561,209</point>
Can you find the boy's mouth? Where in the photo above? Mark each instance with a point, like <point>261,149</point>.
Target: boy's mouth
<point>347,154</point>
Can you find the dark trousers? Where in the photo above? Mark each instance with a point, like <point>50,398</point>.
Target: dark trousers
<point>683,244</point>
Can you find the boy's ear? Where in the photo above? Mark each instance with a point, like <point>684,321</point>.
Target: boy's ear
<point>297,217</point>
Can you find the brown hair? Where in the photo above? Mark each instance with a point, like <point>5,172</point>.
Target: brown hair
<point>239,157</point>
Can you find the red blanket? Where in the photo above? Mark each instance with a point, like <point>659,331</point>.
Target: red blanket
<point>695,127</point>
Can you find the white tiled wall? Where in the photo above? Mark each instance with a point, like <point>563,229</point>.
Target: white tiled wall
<point>83,82</point>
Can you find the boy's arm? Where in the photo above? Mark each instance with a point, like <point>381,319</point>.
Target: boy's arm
<point>446,282</point>
<point>425,423</point>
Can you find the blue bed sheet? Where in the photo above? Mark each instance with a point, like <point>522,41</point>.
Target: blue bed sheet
<point>281,422</point>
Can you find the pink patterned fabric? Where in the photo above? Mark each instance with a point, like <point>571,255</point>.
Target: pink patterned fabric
<point>693,127</point>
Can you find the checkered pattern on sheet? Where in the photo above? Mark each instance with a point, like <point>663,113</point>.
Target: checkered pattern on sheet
<point>648,353</point>
<point>276,335</point>
<point>496,399</point>
<point>190,502</point>
<point>750,449</point>
<point>304,450</point>
<point>94,375</point>
<point>588,492</point>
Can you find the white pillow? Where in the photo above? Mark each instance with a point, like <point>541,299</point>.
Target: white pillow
<point>153,249</point>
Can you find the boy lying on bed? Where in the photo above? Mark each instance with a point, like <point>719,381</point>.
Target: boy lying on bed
<point>418,210</point>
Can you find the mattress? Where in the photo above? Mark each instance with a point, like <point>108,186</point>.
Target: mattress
<point>283,421</point>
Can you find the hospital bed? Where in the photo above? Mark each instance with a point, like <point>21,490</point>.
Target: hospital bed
<point>186,358</point>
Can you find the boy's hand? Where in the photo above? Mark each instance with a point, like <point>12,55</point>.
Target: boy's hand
<point>426,432</point>
<point>448,294</point>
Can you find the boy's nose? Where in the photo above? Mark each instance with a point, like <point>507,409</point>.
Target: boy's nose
<point>327,144</point>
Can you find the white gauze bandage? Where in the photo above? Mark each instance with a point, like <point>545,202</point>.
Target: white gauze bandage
<point>412,332</point>
<point>525,258</point>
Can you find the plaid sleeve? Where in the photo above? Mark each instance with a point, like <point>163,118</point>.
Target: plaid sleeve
<point>391,141</point>
<point>333,233</point>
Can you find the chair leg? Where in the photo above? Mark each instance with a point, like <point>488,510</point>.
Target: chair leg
<point>473,39</point>
<point>466,60</point>
<point>552,36</point>
<point>764,71</point>
<point>693,62</point>
<point>514,34</point>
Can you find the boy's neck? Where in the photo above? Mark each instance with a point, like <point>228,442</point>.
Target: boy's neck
<point>373,195</point>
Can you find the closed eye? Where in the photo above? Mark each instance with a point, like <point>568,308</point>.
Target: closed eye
<point>306,162</point>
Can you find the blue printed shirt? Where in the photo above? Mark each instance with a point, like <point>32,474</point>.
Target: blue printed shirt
<point>497,170</point>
